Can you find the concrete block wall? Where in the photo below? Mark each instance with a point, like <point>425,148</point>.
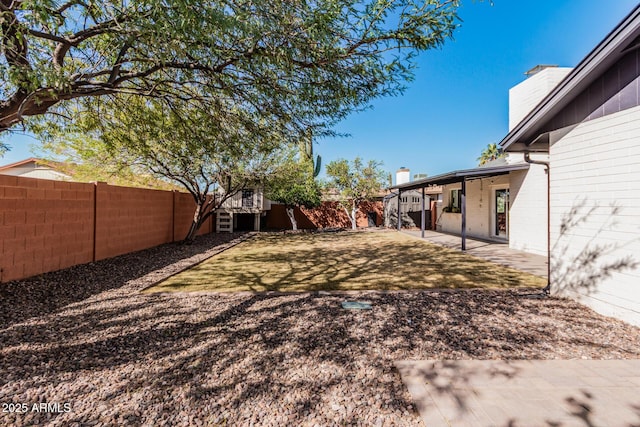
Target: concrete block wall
<point>44,226</point>
<point>131,219</point>
<point>49,225</point>
<point>183,217</point>
<point>327,215</point>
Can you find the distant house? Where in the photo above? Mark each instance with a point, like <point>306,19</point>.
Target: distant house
<point>35,168</point>
<point>588,128</point>
<point>411,207</point>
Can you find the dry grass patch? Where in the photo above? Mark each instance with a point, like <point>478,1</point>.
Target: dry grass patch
<point>342,261</point>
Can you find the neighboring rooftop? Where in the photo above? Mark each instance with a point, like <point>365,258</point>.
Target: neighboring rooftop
<point>35,168</point>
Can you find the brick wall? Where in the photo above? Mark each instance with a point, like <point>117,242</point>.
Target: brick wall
<point>277,219</point>
<point>595,210</point>
<point>328,215</point>
<point>50,225</point>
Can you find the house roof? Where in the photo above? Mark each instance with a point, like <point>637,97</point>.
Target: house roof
<point>50,164</point>
<point>20,163</point>
<point>527,135</point>
<point>464,174</point>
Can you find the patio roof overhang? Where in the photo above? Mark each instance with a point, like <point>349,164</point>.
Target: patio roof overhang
<point>460,175</point>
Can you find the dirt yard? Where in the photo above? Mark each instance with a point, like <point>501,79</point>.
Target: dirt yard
<point>87,337</point>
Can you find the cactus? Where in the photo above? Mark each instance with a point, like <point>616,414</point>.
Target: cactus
<point>317,167</point>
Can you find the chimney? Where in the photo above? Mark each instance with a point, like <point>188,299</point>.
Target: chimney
<point>524,96</point>
<point>403,175</point>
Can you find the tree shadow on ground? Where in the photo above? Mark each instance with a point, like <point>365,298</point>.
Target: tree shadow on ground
<point>47,293</point>
<point>509,393</point>
<point>344,261</point>
<point>297,359</point>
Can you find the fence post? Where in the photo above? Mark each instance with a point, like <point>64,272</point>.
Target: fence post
<point>173,217</point>
<point>95,219</point>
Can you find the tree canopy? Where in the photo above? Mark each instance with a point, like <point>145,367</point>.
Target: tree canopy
<point>355,182</point>
<point>293,184</point>
<point>491,152</point>
<point>211,156</point>
<point>309,63</point>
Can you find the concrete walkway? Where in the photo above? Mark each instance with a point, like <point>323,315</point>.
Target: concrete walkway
<point>500,253</point>
<point>488,393</point>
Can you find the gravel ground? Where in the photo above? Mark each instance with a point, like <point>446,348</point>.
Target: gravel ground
<point>87,338</point>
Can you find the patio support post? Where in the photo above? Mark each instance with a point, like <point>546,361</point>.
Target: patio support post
<point>463,210</point>
<point>422,216</point>
<point>399,216</point>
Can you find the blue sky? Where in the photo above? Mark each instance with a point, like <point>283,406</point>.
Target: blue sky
<point>458,102</point>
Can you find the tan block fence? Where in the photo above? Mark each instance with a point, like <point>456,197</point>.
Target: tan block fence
<point>50,225</point>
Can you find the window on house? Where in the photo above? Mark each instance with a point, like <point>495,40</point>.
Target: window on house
<point>247,198</point>
<point>456,199</point>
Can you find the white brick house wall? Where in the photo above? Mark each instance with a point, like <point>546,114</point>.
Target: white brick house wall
<point>595,184</point>
<point>528,213</point>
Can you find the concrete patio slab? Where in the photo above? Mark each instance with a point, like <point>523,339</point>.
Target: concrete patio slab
<point>519,393</point>
<point>496,252</point>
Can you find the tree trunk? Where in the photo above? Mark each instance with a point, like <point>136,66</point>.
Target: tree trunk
<point>352,217</point>
<point>292,218</point>
<point>195,224</point>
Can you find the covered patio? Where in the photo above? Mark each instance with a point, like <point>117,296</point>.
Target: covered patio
<point>459,176</point>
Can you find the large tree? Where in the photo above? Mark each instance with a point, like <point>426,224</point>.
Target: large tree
<point>310,62</point>
<point>293,184</point>
<point>355,183</point>
<point>211,155</point>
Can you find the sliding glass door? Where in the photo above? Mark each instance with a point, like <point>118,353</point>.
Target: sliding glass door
<point>501,213</point>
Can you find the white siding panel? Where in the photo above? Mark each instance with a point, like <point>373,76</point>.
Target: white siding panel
<point>528,213</point>
<point>595,185</point>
